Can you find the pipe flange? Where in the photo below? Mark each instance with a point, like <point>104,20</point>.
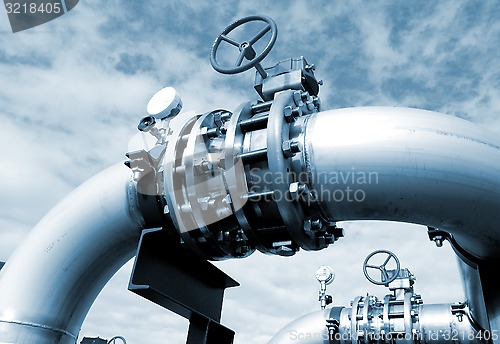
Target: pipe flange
<point>278,132</point>
<point>282,146</point>
<point>206,189</point>
<point>174,177</point>
<point>235,173</point>
<point>198,190</point>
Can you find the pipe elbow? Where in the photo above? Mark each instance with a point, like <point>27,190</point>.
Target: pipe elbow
<point>68,258</point>
<point>309,329</point>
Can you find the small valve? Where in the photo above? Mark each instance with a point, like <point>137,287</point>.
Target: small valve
<point>325,276</point>
<point>163,105</point>
<point>387,275</point>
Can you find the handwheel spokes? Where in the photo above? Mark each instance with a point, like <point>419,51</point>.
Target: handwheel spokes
<point>384,275</point>
<point>230,40</point>
<point>374,267</point>
<point>386,261</point>
<point>260,35</point>
<point>240,58</point>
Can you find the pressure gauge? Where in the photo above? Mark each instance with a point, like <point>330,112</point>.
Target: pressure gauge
<point>325,274</point>
<point>165,103</point>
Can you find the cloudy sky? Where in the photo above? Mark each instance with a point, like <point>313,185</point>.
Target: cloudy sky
<point>73,90</point>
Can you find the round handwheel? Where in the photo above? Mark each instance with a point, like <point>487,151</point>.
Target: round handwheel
<point>385,278</point>
<point>246,47</point>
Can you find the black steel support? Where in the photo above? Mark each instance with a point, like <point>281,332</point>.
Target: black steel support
<point>173,277</point>
<point>206,331</point>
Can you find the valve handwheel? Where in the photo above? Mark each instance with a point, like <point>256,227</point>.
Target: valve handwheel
<point>385,277</point>
<point>246,48</point>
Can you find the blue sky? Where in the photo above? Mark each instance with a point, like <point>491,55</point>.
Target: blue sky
<point>73,90</point>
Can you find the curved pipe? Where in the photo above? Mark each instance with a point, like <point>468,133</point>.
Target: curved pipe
<point>308,329</point>
<point>408,165</point>
<point>49,284</point>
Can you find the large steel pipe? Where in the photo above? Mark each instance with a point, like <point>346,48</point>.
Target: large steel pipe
<point>408,165</point>
<point>49,284</point>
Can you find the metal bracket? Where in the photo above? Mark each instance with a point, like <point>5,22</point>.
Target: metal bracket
<point>198,289</point>
<point>289,74</point>
<point>465,256</point>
